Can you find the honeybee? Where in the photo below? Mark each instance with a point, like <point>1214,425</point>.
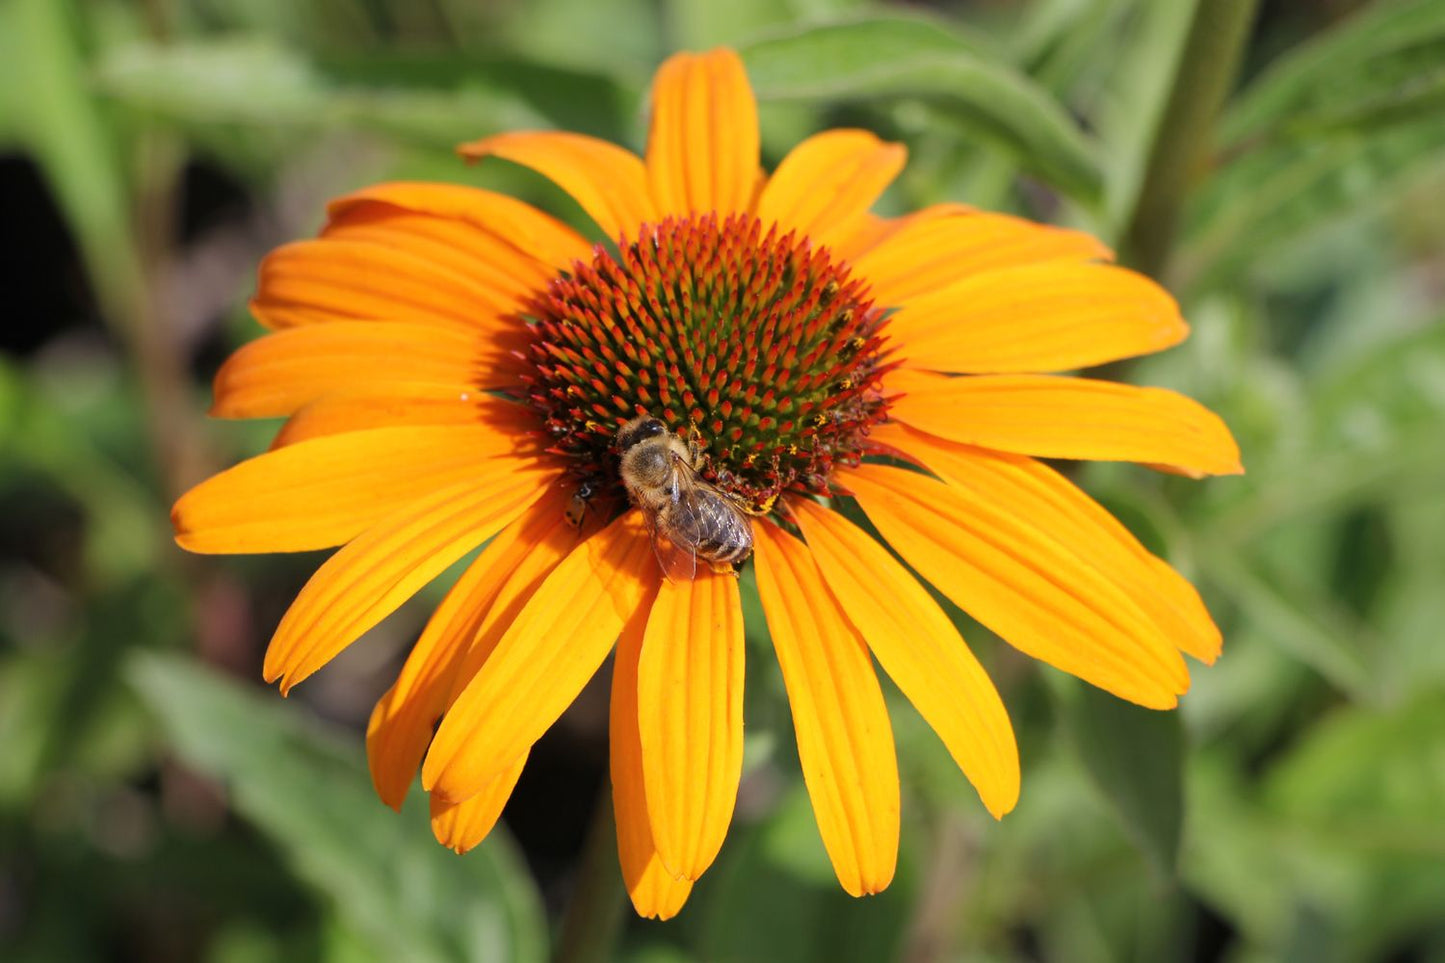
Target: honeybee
<point>687,518</point>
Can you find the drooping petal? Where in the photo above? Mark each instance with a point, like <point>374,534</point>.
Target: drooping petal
<point>609,182</point>
<point>403,403</point>
<point>690,718</point>
<point>826,184</point>
<point>469,228</point>
<point>325,492</point>
<point>547,654</point>
<point>401,724</point>
<point>1037,318</point>
<point>655,892</point>
<point>277,374</point>
<point>920,650</point>
<point>338,279</point>
<point>461,826</point>
<point>927,253</point>
<point>1042,499</point>
<point>380,569</point>
<point>1022,583</point>
<point>845,741</point>
<point>1056,417</point>
<point>702,147</point>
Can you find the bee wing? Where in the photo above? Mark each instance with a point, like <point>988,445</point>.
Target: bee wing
<point>678,562</point>
<point>677,550</point>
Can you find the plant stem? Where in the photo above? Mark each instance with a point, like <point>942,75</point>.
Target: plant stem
<point>590,924</point>
<point>1203,79</point>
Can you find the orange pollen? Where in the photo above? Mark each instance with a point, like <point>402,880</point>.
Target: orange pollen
<point>759,349</point>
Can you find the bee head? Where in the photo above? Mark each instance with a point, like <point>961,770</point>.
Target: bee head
<point>639,430</point>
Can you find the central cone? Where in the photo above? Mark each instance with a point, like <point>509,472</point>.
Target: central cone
<point>755,346</point>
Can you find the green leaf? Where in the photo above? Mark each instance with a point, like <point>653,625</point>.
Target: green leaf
<point>431,100</point>
<point>1136,757</point>
<point>1340,125</point>
<point>1373,779</point>
<point>57,120</point>
<point>1387,60</point>
<point>309,790</point>
<point>887,58</point>
<point>1299,619</point>
<point>774,896</point>
<point>1272,196</point>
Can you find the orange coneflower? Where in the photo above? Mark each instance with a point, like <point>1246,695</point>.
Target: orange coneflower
<point>455,365</point>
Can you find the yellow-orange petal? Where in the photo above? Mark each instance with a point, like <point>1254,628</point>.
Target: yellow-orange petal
<point>609,182</point>
<point>825,186</point>
<point>690,718</point>
<point>654,891</point>
<point>401,725</point>
<point>548,653</point>
<point>927,253</point>
<point>338,279</point>
<point>1042,499</point>
<point>845,741</point>
<point>324,492</point>
<point>528,565</point>
<point>461,826</point>
<point>920,649</point>
<point>1051,317</point>
<point>279,373</point>
<point>384,566</point>
<point>1023,584</point>
<point>469,228</point>
<point>1056,417</point>
<point>395,403</point>
<point>871,230</point>
<point>702,146</point>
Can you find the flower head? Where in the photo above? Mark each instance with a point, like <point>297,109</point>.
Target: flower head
<point>455,365</point>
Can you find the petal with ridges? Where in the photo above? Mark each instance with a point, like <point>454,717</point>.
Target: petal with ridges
<point>1022,583</point>
<point>487,218</point>
<point>690,717</point>
<point>871,231</point>
<point>528,568</point>
<point>920,649</point>
<point>324,492</point>
<point>1052,317</point>
<point>279,373</point>
<point>702,145</point>
<point>547,654</point>
<point>380,569</point>
<point>1055,417</point>
<point>845,741</point>
<point>609,182</point>
<point>404,403</point>
<point>655,892</point>
<point>927,253</point>
<point>1043,499</point>
<point>826,184</point>
<point>401,725</point>
<point>461,826</point>
<point>337,279</point>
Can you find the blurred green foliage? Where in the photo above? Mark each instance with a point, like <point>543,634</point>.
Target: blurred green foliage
<point>153,809</point>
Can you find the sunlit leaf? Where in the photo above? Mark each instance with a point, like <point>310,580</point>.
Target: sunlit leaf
<point>887,58</point>
<point>433,100</point>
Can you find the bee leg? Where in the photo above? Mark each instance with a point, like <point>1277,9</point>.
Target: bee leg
<point>724,568</point>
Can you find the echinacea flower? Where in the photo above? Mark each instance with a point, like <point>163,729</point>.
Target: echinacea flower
<point>454,366</point>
